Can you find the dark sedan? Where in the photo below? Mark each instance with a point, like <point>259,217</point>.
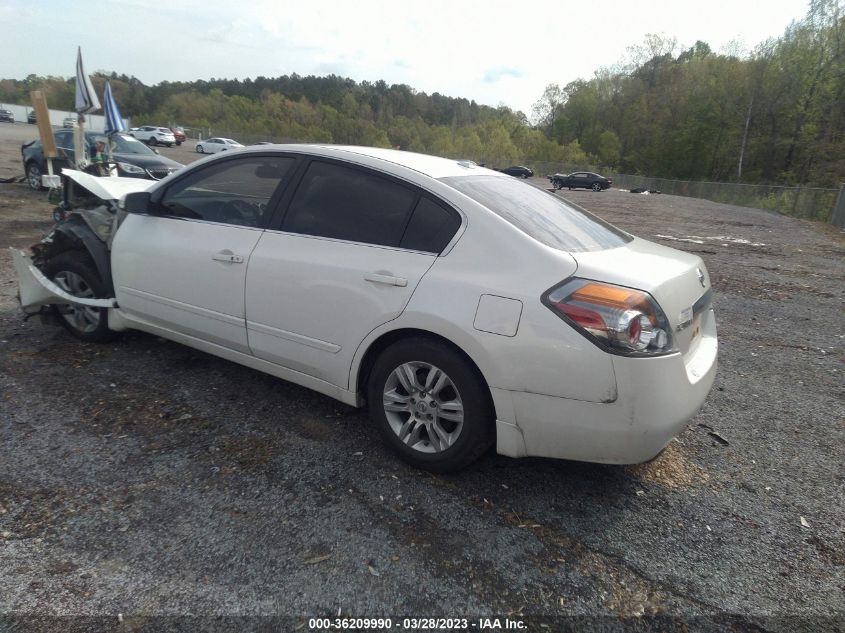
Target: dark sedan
<point>580,180</point>
<point>518,171</point>
<point>6,115</point>
<point>133,158</point>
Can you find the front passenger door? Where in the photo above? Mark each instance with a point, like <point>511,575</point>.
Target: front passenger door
<point>183,268</point>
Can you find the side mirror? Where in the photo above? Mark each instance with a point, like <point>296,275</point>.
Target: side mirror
<point>156,151</point>
<point>138,202</point>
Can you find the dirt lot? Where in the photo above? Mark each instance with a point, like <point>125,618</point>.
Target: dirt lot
<point>148,479</point>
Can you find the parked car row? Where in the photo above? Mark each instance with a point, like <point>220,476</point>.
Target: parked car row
<point>132,158</point>
<point>575,180</point>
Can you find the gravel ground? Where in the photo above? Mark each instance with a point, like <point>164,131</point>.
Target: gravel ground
<point>149,479</point>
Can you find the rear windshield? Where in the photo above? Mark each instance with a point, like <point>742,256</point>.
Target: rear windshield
<point>542,215</point>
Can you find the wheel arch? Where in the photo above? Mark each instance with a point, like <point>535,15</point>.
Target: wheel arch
<point>360,373</point>
<point>74,234</point>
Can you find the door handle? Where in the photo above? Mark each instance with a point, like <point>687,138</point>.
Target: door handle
<point>227,257</point>
<point>389,280</point>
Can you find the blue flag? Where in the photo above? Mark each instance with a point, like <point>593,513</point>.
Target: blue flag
<point>114,122</point>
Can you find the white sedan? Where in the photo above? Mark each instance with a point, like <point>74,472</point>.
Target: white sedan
<point>214,145</point>
<point>465,307</point>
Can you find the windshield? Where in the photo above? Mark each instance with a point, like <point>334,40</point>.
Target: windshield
<point>542,215</point>
<point>124,144</point>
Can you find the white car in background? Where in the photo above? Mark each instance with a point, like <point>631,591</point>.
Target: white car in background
<point>217,144</point>
<point>152,135</point>
<point>466,307</point>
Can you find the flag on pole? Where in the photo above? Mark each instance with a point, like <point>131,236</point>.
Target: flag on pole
<point>86,98</point>
<point>114,122</point>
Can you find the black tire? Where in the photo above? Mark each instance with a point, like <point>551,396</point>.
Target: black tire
<point>152,141</point>
<point>200,150</point>
<point>33,176</point>
<point>596,186</point>
<point>178,143</point>
<point>78,263</point>
<point>477,432</point>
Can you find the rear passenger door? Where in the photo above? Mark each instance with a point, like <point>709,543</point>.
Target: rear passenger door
<point>345,258</point>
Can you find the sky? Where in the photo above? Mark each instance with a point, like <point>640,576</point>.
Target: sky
<point>495,52</point>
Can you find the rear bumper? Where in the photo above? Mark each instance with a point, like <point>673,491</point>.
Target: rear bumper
<point>657,397</point>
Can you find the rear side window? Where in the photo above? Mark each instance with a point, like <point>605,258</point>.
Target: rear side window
<point>544,216</point>
<point>349,204</point>
<point>431,227</point>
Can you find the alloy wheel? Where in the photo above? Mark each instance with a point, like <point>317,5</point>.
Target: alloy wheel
<point>423,407</point>
<point>33,174</point>
<point>82,318</point>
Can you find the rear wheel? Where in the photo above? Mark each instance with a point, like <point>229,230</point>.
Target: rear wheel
<point>430,405</point>
<point>74,273</point>
<point>596,186</point>
<point>200,150</point>
<point>152,141</point>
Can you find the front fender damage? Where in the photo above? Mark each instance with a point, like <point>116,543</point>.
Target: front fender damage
<point>35,290</point>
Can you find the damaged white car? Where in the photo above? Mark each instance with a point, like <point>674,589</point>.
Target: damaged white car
<point>466,307</point>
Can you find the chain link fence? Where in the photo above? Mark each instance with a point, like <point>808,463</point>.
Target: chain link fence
<point>809,203</point>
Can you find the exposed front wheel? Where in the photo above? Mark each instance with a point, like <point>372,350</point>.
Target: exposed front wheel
<point>200,150</point>
<point>430,405</point>
<point>596,187</point>
<point>73,272</point>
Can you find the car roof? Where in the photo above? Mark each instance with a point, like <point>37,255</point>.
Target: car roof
<point>432,166</point>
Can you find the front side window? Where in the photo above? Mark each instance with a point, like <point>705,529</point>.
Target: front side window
<point>349,204</point>
<point>542,215</point>
<point>232,192</point>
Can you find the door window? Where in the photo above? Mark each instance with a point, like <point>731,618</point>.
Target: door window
<point>349,204</point>
<point>232,192</point>
<point>63,139</point>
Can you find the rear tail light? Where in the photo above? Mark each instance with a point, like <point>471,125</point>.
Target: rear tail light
<point>618,319</point>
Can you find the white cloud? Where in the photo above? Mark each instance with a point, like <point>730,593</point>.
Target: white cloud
<point>492,51</point>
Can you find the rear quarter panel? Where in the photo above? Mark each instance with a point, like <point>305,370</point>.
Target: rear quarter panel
<point>545,355</point>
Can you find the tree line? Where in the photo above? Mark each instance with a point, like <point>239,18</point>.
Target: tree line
<point>775,115</point>
<point>328,109</point>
